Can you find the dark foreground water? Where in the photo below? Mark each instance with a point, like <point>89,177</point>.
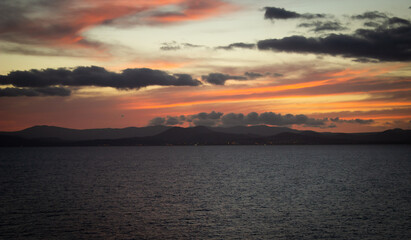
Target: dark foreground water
<point>213,192</point>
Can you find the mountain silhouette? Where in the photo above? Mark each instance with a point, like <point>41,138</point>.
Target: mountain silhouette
<point>161,135</point>
<point>86,134</point>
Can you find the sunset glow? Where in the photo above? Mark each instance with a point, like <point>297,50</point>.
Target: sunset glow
<point>96,64</point>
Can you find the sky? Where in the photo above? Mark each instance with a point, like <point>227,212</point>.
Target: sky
<point>322,65</point>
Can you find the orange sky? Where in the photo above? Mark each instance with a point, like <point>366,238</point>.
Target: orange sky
<point>185,42</point>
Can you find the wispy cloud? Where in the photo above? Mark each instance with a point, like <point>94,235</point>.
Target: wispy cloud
<point>190,10</point>
<point>370,15</point>
<point>237,45</point>
<point>62,23</point>
<point>318,26</point>
<point>343,89</point>
<point>173,46</point>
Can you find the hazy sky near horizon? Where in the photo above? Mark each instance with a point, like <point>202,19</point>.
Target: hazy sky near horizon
<point>324,65</point>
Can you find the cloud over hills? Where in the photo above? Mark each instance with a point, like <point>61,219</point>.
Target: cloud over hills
<point>239,119</point>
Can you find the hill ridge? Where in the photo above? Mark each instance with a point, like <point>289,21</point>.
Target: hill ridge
<point>200,135</point>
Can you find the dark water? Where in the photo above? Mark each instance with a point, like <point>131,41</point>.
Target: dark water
<point>224,192</point>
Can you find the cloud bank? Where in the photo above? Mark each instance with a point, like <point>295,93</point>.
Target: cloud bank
<point>389,38</point>
<point>384,38</point>
<point>239,119</point>
<point>41,81</point>
<point>52,82</point>
<point>388,42</point>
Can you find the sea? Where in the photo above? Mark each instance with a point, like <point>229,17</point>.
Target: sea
<point>206,192</point>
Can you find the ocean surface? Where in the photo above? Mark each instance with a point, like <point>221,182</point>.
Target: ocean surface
<point>206,192</point>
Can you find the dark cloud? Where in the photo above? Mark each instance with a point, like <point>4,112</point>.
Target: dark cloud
<point>313,15</point>
<point>205,122</point>
<point>267,118</point>
<point>205,119</point>
<point>271,118</point>
<point>169,121</point>
<point>277,75</point>
<point>34,92</point>
<point>372,24</point>
<point>281,13</point>
<point>357,120</point>
<point>204,115</point>
<point>253,75</point>
<point>252,118</point>
<point>220,78</point>
<point>318,26</point>
<point>237,45</point>
<point>157,121</point>
<point>238,119</point>
<point>54,91</point>
<point>381,21</point>
<point>392,43</point>
<point>233,119</point>
<point>399,21</point>
<point>371,15</point>
<point>96,76</point>
<point>390,40</point>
